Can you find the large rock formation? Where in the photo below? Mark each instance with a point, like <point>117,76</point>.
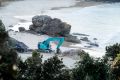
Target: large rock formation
<point>13,43</point>
<point>45,24</point>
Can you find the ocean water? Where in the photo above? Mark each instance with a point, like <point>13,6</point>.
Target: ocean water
<point>101,22</point>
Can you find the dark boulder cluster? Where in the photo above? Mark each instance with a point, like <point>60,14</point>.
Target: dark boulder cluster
<point>50,26</point>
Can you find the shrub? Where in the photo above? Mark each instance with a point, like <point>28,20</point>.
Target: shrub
<point>35,69</point>
<point>112,51</point>
<point>116,67</point>
<point>91,69</point>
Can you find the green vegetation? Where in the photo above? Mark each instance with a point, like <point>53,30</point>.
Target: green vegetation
<point>35,69</point>
<point>116,67</point>
<point>112,51</point>
<point>8,56</point>
<point>91,69</point>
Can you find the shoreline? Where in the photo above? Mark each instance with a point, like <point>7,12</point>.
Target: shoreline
<point>87,3</point>
<point>81,4</point>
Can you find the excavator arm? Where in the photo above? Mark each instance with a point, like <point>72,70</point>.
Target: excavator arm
<point>45,45</point>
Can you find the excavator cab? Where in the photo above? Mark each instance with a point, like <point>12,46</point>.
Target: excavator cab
<point>46,47</point>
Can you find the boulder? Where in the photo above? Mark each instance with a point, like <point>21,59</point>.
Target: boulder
<point>94,44</point>
<point>13,43</point>
<point>53,27</point>
<point>94,38</point>
<point>85,39</point>
<point>21,29</point>
<point>71,38</point>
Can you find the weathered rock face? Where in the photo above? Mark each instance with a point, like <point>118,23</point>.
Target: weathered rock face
<point>39,21</point>
<point>49,26</point>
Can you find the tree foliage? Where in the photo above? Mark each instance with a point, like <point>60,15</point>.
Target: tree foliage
<point>91,69</point>
<point>116,67</point>
<point>7,56</point>
<point>112,51</point>
<point>35,69</point>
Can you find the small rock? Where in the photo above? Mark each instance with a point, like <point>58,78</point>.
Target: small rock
<point>94,38</point>
<point>71,38</point>
<point>21,29</point>
<point>10,30</point>
<point>11,26</point>
<point>80,34</point>
<point>85,39</point>
<point>94,44</point>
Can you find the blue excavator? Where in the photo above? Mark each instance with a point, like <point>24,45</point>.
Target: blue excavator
<point>45,45</point>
